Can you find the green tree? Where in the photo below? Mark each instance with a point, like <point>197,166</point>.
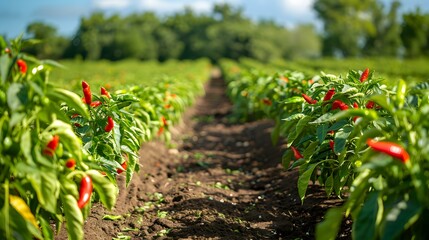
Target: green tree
<point>387,40</point>
<point>415,34</point>
<point>346,23</point>
<point>51,45</point>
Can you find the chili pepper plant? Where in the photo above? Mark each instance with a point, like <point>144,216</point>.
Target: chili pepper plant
<point>42,160</point>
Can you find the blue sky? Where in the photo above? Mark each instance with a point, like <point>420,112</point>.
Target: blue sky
<point>65,15</point>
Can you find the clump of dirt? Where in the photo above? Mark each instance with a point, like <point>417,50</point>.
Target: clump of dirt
<point>220,180</point>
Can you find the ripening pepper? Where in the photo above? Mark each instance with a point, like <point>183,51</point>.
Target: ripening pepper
<point>355,106</point>
<point>51,146</point>
<point>364,75</point>
<point>124,165</point>
<point>84,191</point>
<point>164,121</point>
<point>393,149</point>
<point>329,94</point>
<point>339,104</point>
<point>22,65</point>
<point>160,131</point>
<point>71,163</point>
<point>308,99</point>
<point>331,144</point>
<point>296,153</point>
<point>105,92</point>
<point>370,105</point>
<point>267,102</point>
<point>95,104</point>
<point>110,124</point>
<point>86,92</point>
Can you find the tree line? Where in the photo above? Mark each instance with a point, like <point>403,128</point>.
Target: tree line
<point>356,28</point>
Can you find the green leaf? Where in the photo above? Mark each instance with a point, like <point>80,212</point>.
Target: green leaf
<point>328,228</point>
<point>131,166</point>
<point>26,146</point>
<point>327,117</point>
<point>341,138</point>
<point>329,185</point>
<point>104,188</point>
<point>399,217</point>
<point>72,142</point>
<point>304,179</point>
<point>384,102</point>
<point>112,217</point>
<point>50,190</point>
<point>4,68</point>
<point>296,99</point>
<point>321,132</point>
<point>364,227</point>
<point>300,127</point>
<point>330,117</point>
<point>70,98</point>
<point>298,162</point>
<point>358,192</point>
<point>310,150</point>
<point>286,158</point>
<point>295,117</point>
<point>17,96</point>
<point>74,217</point>
<point>46,228</point>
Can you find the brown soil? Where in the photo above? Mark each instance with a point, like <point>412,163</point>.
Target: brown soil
<point>219,181</point>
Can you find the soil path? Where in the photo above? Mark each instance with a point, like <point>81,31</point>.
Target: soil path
<point>216,181</point>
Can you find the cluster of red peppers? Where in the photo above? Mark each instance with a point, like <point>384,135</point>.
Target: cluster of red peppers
<point>337,104</point>
<point>87,99</point>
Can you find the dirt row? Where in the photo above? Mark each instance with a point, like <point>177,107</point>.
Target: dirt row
<point>215,180</point>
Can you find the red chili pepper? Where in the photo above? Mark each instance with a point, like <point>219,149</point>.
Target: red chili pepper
<point>160,131</point>
<point>356,106</point>
<point>393,149</point>
<point>51,146</point>
<point>85,191</point>
<point>296,153</point>
<point>329,94</point>
<point>308,99</point>
<point>364,75</point>
<point>22,65</point>
<point>87,92</point>
<point>370,105</point>
<point>339,104</point>
<point>267,102</point>
<point>164,121</point>
<point>95,104</point>
<point>71,163</point>
<point>285,79</point>
<point>105,92</point>
<point>124,165</point>
<point>331,144</point>
<point>167,106</point>
<point>110,124</point>
<point>332,132</point>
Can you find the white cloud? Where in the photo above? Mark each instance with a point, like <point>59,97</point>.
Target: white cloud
<point>110,4</point>
<point>298,6</point>
<point>172,6</point>
<point>162,6</point>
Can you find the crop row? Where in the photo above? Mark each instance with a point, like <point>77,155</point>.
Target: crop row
<point>58,146</point>
<point>359,138</point>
